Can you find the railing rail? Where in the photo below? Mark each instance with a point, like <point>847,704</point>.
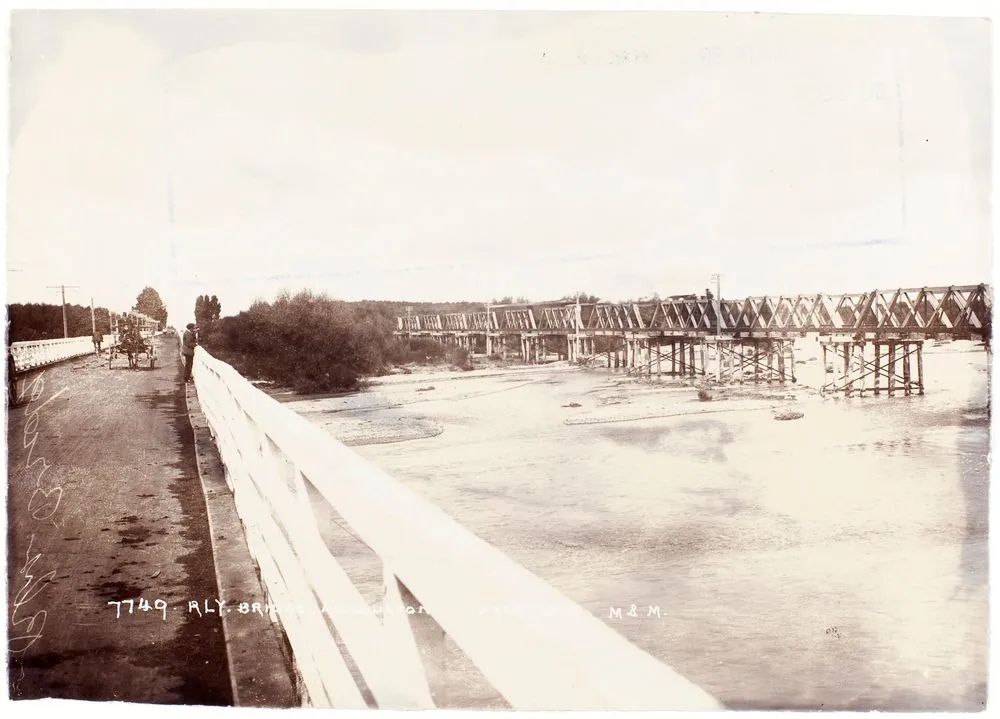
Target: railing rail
<point>40,353</point>
<point>32,354</point>
<point>554,655</point>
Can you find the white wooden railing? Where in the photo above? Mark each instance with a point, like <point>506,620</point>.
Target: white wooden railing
<point>551,655</point>
<point>39,353</point>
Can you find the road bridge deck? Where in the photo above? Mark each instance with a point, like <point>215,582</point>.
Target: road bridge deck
<point>105,505</point>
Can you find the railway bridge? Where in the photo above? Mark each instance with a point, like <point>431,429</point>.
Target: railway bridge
<point>871,336</point>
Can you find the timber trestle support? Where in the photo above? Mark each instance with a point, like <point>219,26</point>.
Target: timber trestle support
<point>858,367</point>
<point>723,359</point>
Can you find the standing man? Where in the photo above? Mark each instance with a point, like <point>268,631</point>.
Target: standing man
<point>98,339</point>
<point>188,343</point>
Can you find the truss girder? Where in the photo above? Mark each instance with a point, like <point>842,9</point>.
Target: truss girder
<point>965,310</point>
<point>557,318</point>
<point>520,319</point>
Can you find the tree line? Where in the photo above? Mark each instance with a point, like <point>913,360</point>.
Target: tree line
<point>43,321</point>
<point>32,322</point>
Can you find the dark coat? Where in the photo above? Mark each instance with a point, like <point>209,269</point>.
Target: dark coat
<point>189,343</point>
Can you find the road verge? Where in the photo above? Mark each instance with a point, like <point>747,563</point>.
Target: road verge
<point>259,664</point>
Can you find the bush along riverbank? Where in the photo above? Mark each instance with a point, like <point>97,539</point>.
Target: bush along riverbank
<point>310,343</point>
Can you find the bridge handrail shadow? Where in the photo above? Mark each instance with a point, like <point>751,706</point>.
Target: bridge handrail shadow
<point>557,657</point>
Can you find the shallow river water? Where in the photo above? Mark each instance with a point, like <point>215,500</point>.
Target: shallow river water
<point>836,561</point>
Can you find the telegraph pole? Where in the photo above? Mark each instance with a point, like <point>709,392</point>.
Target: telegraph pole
<point>489,326</point>
<point>63,288</point>
<point>718,326</point>
<point>577,338</point>
<point>93,319</point>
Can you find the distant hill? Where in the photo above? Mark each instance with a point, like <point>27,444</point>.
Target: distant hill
<point>393,309</point>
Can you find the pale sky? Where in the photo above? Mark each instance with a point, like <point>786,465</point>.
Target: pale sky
<point>435,156</point>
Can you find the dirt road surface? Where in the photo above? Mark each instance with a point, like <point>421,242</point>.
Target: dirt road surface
<point>105,505</point>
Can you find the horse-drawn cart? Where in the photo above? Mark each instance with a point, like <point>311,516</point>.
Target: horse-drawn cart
<point>134,341</point>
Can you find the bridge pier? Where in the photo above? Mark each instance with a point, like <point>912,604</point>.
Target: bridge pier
<point>574,348</point>
<point>670,355</point>
<point>757,359</point>
<point>899,362</point>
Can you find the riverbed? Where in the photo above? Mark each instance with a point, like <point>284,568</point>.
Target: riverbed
<point>837,560</point>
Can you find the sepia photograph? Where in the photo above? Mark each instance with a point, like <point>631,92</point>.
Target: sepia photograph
<point>499,359</point>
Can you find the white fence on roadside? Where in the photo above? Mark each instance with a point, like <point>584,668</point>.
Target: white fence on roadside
<point>39,353</point>
<point>559,658</point>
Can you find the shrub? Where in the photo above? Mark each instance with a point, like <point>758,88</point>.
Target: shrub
<point>307,342</point>
<point>312,343</point>
<point>461,358</point>
<point>418,350</point>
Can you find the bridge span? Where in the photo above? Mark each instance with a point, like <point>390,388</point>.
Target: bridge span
<point>866,337</point>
